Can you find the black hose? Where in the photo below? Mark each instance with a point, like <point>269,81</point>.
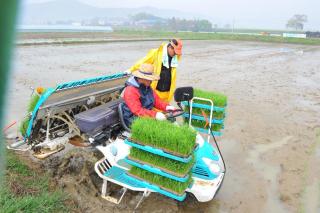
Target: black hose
<point>215,141</point>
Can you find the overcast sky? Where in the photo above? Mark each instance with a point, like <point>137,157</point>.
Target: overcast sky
<point>245,13</point>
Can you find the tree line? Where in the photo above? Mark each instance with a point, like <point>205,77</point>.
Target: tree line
<point>171,24</point>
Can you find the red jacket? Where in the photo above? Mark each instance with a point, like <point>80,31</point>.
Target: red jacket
<point>132,99</point>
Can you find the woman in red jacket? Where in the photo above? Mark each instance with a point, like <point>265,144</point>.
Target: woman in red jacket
<point>140,99</point>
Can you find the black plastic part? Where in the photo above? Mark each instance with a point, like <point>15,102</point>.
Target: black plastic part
<point>183,94</point>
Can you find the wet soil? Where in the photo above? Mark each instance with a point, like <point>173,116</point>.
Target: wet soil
<point>271,138</point>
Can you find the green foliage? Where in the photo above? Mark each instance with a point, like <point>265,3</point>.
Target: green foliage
<point>218,100</point>
<point>176,24</point>
<point>166,183</point>
<point>45,202</point>
<point>144,16</point>
<point>24,125</point>
<point>163,33</point>
<point>24,190</point>
<point>198,111</point>
<point>174,166</point>
<point>297,22</point>
<point>14,165</point>
<point>25,122</point>
<point>33,101</point>
<point>164,134</point>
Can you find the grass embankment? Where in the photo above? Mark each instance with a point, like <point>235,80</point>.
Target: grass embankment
<point>217,36</point>
<point>164,135</point>
<point>25,190</point>
<point>165,183</point>
<point>218,100</point>
<point>124,35</point>
<point>171,166</point>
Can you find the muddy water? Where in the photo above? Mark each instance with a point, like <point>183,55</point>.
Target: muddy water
<point>269,172</point>
<point>269,141</point>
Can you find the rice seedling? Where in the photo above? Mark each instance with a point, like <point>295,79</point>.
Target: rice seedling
<point>163,182</point>
<point>199,111</point>
<point>202,124</point>
<point>218,99</point>
<point>33,101</point>
<point>170,166</point>
<point>24,125</point>
<point>31,105</point>
<point>164,135</point>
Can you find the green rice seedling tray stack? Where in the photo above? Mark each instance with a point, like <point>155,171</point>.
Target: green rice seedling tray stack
<point>178,141</point>
<point>153,183</point>
<point>166,184</point>
<point>162,155</point>
<point>201,111</point>
<point>166,167</point>
<point>159,151</point>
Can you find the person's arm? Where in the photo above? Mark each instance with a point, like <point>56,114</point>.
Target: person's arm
<point>148,59</point>
<point>132,99</point>
<point>158,103</point>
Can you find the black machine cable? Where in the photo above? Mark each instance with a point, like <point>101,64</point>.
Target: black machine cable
<point>215,141</point>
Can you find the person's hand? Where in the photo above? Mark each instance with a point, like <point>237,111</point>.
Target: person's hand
<point>127,72</point>
<point>160,116</point>
<point>170,108</point>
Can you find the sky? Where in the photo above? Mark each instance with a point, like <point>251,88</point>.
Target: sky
<point>270,14</point>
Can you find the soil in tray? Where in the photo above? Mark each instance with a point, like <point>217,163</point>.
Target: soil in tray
<point>173,167</point>
<point>179,140</point>
<point>167,184</point>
